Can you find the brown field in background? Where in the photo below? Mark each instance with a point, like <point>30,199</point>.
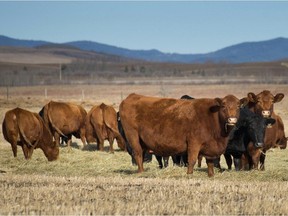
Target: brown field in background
<point>92,182</point>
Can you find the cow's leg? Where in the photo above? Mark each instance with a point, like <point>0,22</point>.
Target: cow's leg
<point>69,141</point>
<point>100,144</point>
<point>30,152</point>
<point>147,157</point>
<point>200,157</point>
<point>111,139</point>
<point>25,151</point>
<point>210,165</point>
<point>228,160</point>
<point>121,142</point>
<point>244,162</point>
<point>14,148</point>
<point>57,138</point>
<point>184,159</point>
<point>82,136</point>
<point>216,163</point>
<point>193,152</point>
<point>237,163</point>
<point>255,159</point>
<point>176,160</point>
<point>133,139</point>
<point>159,159</point>
<point>166,161</point>
<point>262,161</point>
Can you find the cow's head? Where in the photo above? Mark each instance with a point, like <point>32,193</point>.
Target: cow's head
<point>52,151</point>
<point>228,108</point>
<point>256,127</point>
<point>263,102</point>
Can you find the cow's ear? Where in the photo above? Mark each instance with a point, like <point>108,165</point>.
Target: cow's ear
<point>270,121</point>
<point>278,97</point>
<point>252,97</point>
<point>216,107</point>
<point>244,101</point>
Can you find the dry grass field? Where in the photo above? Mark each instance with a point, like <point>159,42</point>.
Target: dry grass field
<point>88,182</point>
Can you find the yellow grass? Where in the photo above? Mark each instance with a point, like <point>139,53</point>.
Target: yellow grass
<point>86,181</point>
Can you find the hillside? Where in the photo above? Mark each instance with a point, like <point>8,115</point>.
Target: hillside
<point>261,51</point>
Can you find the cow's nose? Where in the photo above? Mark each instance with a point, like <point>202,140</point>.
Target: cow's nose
<point>259,145</point>
<point>232,120</point>
<point>266,113</point>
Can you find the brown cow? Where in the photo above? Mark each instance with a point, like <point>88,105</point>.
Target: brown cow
<point>101,123</point>
<point>65,119</point>
<point>263,104</point>
<point>173,126</point>
<point>26,129</point>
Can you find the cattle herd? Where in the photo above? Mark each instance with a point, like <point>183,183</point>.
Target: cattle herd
<point>187,129</point>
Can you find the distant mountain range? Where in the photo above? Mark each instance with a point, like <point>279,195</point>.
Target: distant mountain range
<point>262,51</point>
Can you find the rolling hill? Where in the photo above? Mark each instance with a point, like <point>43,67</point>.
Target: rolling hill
<point>262,51</point>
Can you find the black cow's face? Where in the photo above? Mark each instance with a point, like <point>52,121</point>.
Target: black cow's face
<point>256,127</point>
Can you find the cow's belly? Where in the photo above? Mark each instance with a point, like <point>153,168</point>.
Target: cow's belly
<point>163,142</point>
<point>213,149</point>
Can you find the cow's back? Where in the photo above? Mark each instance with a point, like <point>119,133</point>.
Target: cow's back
<point>21,126</point>
<point>66,116</point>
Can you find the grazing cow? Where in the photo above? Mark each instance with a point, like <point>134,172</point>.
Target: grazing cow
<point>65,119</point>
<point>263,104</point>
<point>101,124</point>
<point>26,129</point>
<point>249,130</point>
<point>174,126</point>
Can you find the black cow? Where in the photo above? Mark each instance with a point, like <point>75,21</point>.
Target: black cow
<point>249,130</point>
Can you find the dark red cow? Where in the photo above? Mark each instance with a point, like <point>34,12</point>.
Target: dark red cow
<point>101,123</point>
<point>26,129</point>
<point>263,104</point>
<point>173,126</point>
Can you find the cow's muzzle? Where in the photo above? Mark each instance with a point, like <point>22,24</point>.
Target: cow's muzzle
<point>258,145</point>
<point>230,123</point>
<point>266,113</point>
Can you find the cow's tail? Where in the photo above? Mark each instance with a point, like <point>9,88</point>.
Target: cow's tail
<point>53,125</point>
<point>22,134</point>
<point>119,138</point>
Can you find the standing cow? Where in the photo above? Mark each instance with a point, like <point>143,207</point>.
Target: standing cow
<point>101,124</point>
<point>26,129</point>
<point>248,133</point>
<point>65,119</point>
<point>173,126</point>
<point>263,104</point>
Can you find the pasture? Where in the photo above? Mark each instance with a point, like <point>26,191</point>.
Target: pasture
<point>86,181</point>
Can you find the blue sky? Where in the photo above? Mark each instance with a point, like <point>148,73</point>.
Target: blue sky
<point>169,26</point>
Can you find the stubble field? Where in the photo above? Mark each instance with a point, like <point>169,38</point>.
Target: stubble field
<point>85,181</point>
